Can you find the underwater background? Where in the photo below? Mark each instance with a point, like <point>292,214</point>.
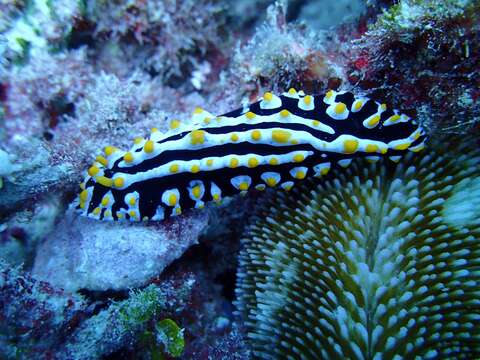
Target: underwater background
<point>378,258</point>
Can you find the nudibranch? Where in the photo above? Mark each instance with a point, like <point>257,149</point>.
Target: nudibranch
<point>274,142</point>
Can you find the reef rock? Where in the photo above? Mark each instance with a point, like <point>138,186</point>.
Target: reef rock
<point>82,253</point>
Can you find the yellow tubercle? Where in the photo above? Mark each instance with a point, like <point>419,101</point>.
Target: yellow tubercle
<point>374,120</point>
<point>103,180</point>
<point>271,181</point>
<point>93,170</point>
<point>149,146</point>
<point>197,191</point>
<point>340,108</point>
<point>174,168</point>
<point>105,200</point>
<point>128,157</point>
<point>273,161</point>
<point>403,146</point>
<point>96,211</point>
<point>210,162</point>
<point>307,100</point>
<point>137,140</point>
<point>109,150</point>
<point>329,94</point>
<point>174,124</point>
<point>256,135</point>
<point>281,136</point>
<point>197,137</point>
<point>172,200</point>
<point>132,201</point>
<point>118,182</point>
<point>284,113</point>
<point>350,146</point>
<point>84,195</point>
<point>195,168</point>
<point>243,186</point>
<point>250,115</point>
<point>253,162</point>
<point>268,96</point>
<point>101,160</point>
<point>292,91</point>
<point>233,163</point>
<point>234,137</point>
<point>300,175</point>
<point>371,148</point>
<point>298,157</point>
<point>198,110</point>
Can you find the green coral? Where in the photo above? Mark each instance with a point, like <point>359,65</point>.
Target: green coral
<point>376,262</point>
<point>141,307</point>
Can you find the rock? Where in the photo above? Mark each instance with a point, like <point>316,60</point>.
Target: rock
<point>83,253</point>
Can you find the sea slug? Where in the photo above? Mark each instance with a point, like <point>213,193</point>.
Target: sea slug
<point>276,141</point>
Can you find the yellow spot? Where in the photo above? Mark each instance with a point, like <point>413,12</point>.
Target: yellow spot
<point>307,99</point>
<point>403,146</point>
<point>96,211</point>
<point>178,210</point>
<point>102,180</point>
<point>281,136</point>
<point>216,197</point>
<point>84,195</point>
<point>137,140</point>
<point>394,118</point>
<point>101,160</point>
<point>197,191</point>
<point>107,213</point>
<point>315,122</point>
<point>128,157</point>
<point>109,150</point>
<point>250,115</point>
<point>243,186</point>
<point>82,205</point>
<point>371,148</point>
<point>253,162</point>
<point>329,94</point>
<point>93,170</point>
<point>119,182</point>
<point>271,181</point>
<point>383,107</point>
<point>256,135</point>
<point>197,137</point>
<point>201,206</point>
<point>324,171</point>
<point>198,110</point>
<point>288,187</point>
<point>119,215</point>
<point>292,91</point>
<point>210,162</point>
<point>383,150</point>
<point>358,105</point>
<point>153,130</point>
<point>132,213</point>
<point>294,142</point>
<point>174,168</point>
<point>234,137</point>
<point>273,161</point>
<point>105,200</point>
<point>415,135</point>
<point>233,162</point>
<point>175,124</point>
<point>132,201</point>
<point>148,147</point>
<point>82,186</point>
<point>350,146</point>
<point>172,200</point>
<point>207,120</point>
<point>284,113</point>
<point>298,158</point>
<point>268,96</point>
<point>195,168</point>
<point>340,108</point>
<point>300,175</point>
<point>373,120</point>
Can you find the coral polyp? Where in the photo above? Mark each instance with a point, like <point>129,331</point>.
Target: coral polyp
<point>379,262</point>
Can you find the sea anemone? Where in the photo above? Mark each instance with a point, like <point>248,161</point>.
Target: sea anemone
<point>380,261</point>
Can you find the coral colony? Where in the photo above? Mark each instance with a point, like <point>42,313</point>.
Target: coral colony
<point>334,214</point>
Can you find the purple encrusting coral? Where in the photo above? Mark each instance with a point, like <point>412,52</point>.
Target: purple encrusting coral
<point>76,76</point>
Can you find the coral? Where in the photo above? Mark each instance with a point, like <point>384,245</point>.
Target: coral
<point>167,37</point>
<point>279,55</point>
<point>34,316</point>
<point>434,50</point>
<point>377,262</point>
<point>122,324</point>
<point>79,253</point>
